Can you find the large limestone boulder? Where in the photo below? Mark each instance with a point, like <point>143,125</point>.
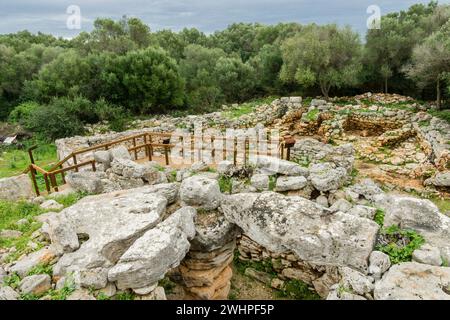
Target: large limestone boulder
<point>108,224</point>
<point>16,188</point>
<point>326,176</point>
<point>158,250</point>
<point>272,165</point>
<point>441,179</point>
<point>313,233</point>
<point>131,170</point>
<point>201,192</point>
<point>85,181</point>
<point>420,215</point>
<point>414,281</point>
<point>213,231</point>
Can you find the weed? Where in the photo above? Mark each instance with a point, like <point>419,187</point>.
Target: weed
<point>399,244</point>
<point>272,182</point>
<point>41,269</point>
<point>167,284</point>
<point>298,290</point>
<point>379,217</point>
<point>225,184</point>
<point>125,295</point>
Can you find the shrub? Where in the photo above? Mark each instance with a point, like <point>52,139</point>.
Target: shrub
<point>399,244</point>
<point>22,113</point>
<point>53,122</point>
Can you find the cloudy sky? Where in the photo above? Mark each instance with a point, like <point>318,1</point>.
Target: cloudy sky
<point>50,16</point>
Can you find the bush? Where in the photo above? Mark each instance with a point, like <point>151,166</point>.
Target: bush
<point>53,122</point>
<point>23,112</point>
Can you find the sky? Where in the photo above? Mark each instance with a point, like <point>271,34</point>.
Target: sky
<point>50,16</point>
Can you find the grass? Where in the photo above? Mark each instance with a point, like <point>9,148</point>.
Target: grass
<point>442,114</point>
<point>248,107</point>
<point>167,284</point>
<point>442,204</point>
<point>379,217</point>
<point>14,161</point>
<point>402,243</point>
<point>297,290</point>
<point>125,295</point>
<point>225,184</point>
<point>272,183</point>
<point>313,115</point>
<point>41,269</point>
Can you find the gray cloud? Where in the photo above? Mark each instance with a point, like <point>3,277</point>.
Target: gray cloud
<point>49,16</point>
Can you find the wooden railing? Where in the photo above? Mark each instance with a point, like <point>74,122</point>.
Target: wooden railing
<point>148,142</point>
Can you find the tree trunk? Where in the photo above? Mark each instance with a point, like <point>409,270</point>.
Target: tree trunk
<point>438,94</point>
<point>324,88</point>
<point>386,85</point>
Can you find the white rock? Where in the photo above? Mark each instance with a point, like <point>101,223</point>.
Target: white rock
<point>272,165</point>
<point>325,176</point>
<point>260,182</point>
<point>290,183</point>
<point>51,205</point>
<point>35,284</point>
<point>427,254</point>
<point>379,263</point>
<point>16,188</point>
<point>341,205</point>
<point>225,167</point>
<point>316,235</point>
<point>120,152</point>
<point>413,281</point>
<point>356,281</point>
<point>158,250</point>
<point>8,293</point>
<point>111,222</point>
<point>28,262</point>
<point>200,192</point>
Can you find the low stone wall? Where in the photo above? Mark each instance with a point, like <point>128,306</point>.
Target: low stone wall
<point>287,266</point>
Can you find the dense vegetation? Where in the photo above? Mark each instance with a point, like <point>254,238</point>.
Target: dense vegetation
<point>54,86</point>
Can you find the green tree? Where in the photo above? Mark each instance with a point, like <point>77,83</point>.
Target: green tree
<point>322,55</point>
<point>144,81</point>
<point>430,63</point>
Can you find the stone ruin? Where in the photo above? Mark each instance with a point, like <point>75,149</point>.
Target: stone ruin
<point>307,217</point>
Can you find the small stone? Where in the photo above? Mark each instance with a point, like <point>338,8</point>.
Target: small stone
<point>322,200</point>
<point>428,254</point>
<point>379,263</point>
<point>10,234</point>
<point>110,290</point>
<point>80,294</point>
<point>51,205</point>
<point>260,182</point>
<point>8,293</point>
<point>277,283</point>
<point>35,284</point>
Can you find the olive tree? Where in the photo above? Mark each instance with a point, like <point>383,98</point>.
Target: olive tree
<point>326,56</point>
<point>430,62</point>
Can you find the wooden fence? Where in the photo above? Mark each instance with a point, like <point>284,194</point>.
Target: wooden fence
<point>144,145</point>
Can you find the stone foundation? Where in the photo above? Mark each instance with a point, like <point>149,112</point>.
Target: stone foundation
<point>288,266</point>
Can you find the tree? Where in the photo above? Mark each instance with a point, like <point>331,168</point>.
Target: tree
<point>145,81</point>
<point>198,70</point>
<point>388,49</point>
<point>267,64</point>
<point>430,63</point>
<point>323,55</point>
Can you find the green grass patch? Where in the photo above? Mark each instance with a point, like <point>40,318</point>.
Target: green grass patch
<point>12,281</point>
<point>225,184</point>
<point>400,244</point>
<point>248,107</point>
<point>297,290</point>
<point>313,115</point>
<point>272,182</point>
<point>41,269</point>
<point>14,161</point>
<point>442,204</point>
<point>70,199</point>
<point>125,295</point>
<point>167,284</point>
<point>442,114</point>
<point>379,217</point>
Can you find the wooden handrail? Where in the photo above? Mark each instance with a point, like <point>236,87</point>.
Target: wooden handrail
<point>148,146</point>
